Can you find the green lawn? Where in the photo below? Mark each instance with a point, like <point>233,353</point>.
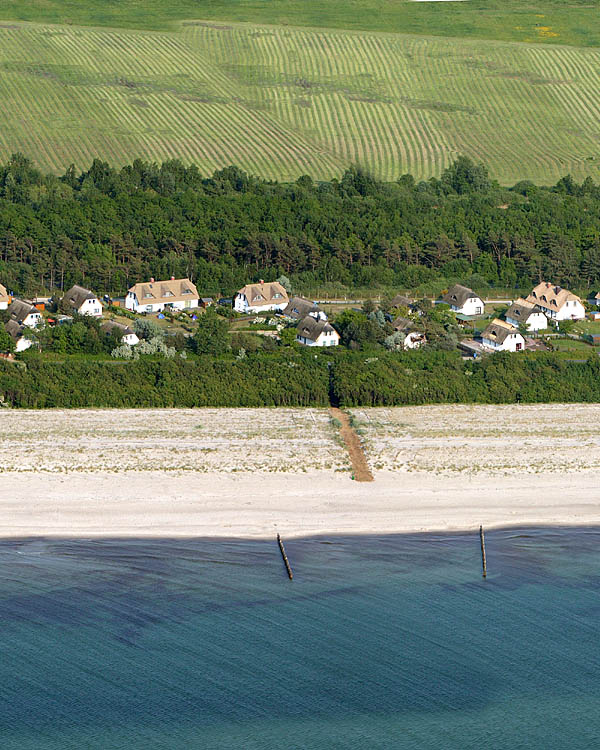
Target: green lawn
<point>571,345</point>
<point>546,21</point>
<point>283,102</point>
<point>587,326</point>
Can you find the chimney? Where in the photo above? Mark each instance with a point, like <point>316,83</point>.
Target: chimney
<point>172,278</point>
<point>262,281</point>
<point>152,279</point>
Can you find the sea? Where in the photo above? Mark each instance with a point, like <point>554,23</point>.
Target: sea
<point>378,642</point>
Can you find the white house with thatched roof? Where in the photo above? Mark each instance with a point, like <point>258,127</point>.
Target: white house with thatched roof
<point>127,334</point>
<point>261,297</point>
<point>314,332</point>
<point>17,332</point>
<point>157,296</point>
<point>4,298</point>
<point>83,301</point>
<point>502,337</point>
<point>299,307</point>
<point>24,314</point>
<point>527,313</point>
<point>557,303</point>
<point>463,300</point>
<point>414,338</point>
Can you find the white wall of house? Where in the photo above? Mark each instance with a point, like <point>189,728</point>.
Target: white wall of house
<point>414,341</point>
<point>22,344</point>
<point>571,310</point>
<point>514,342</point>
<point>240,304</point>
<point>3,304</point>
<point>130,338</point>
<point>473,306</point>
<point>91,307</point>
<point>537,321</point>
<point>32,320</point>
<point>326,338</point>
<point>148,306</point>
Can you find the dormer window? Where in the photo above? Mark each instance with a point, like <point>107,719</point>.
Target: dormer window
<point>257,298</point>
<point>169,294</point>
<point>186,291</point>
<point>277,295</point>
<point>147,295</point>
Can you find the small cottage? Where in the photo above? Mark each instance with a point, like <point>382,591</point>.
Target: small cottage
<point>557,303</point>
<point>128,335</point>
<point>83,301</point>
<point>4,298</point>
<point>413,337</point>
<point>261,297</point>
<point>299,307</point>
<point>463,300</point>
<point>314,332</point>
<point>527,313</point>
<point>400,300</point>
<point>158,296</point>
<point>24,314</point>
<point>16,332</point>
<point>502,337</point>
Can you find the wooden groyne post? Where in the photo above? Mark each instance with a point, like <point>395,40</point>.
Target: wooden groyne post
<point>286,562</point>
<point>483,561</point>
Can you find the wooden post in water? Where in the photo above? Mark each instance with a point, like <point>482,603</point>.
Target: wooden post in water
<point>285,559</point>
<point>483,562</point>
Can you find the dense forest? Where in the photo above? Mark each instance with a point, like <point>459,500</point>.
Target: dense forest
<point>301,378</point>
<point>109,228</point>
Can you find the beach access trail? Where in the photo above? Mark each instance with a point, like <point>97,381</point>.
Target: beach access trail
<point>254,472</point>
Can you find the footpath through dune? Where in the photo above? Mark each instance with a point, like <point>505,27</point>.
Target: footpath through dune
<point>360,467</point>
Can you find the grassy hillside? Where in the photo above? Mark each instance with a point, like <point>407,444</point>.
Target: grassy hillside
<point>283,102</point>
<point>573,22</point>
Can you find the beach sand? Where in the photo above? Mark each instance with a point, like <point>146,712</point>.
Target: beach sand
<point>259,505</point>
<point>250,473</point>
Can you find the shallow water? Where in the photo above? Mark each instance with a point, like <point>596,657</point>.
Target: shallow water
<point>388,642</point>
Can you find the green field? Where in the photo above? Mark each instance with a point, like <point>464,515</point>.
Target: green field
<point>281,102</point>
<point>576,22</point>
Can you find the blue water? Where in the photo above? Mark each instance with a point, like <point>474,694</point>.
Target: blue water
<point>389,642</point>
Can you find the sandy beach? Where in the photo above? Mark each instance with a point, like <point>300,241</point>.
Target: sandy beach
<point>221,473</point>
<point>256,505</point>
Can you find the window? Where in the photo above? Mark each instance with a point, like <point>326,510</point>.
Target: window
<point>148,308</point>
<point>186,291</point>
<point>277,295</point>
<point>147,295</point>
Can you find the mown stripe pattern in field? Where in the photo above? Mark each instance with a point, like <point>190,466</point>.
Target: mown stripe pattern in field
<point>284,102</point>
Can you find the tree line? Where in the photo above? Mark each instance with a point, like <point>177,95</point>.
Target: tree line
<point>108,228</point>
<point>300,378</point>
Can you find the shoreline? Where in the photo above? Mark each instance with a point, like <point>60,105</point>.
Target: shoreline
<point>250,505</point>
